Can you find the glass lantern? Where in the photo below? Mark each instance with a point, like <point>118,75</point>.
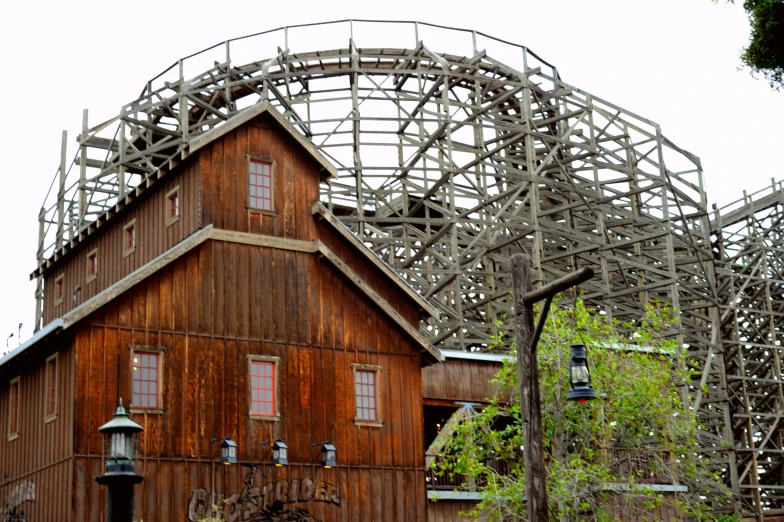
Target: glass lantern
<point>228,452</point>
<point>280,453</point>
<point>329,455</point>
<point>579,376</point>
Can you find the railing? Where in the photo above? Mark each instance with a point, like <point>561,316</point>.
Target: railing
<point>645,466</point>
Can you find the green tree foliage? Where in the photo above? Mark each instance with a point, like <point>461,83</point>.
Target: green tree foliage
<point>602,455</point>
<point>765,52</point>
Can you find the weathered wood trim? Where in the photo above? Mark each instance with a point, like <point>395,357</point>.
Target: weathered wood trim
<point>340,228</point>
<point>427,348</point>
<point>246,238</point>
<point>248,114</point>
<point>136,277</point>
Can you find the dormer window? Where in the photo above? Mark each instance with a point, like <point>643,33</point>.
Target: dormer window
<point>172,210</point>
<point>129,238</point>
<point>92,265</point>
<point>260,184</point>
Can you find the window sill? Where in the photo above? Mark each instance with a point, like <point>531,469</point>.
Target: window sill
<point>129,252</point>
<point>50,418</point>
<point>270,418</point>
<point>91,278</point>
<point>262,212</point>
<point>369,424</point>
<point>172,220</point>
<point>13,436</point>
<point>146,411</point>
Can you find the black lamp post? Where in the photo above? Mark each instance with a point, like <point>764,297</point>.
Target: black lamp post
<point>119,475</point>
<point>579,376</point>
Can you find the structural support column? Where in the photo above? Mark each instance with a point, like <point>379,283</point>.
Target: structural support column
<point>535,478</point>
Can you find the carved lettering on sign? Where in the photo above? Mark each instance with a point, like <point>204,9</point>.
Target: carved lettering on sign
<point>269,502</point>
<point>13,498</point>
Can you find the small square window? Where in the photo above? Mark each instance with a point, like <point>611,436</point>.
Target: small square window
<point>366,387</point>
<point>13,409</point>
<point>146,380</point>
<point>92,265</point>
<point>59,291</point>
<point>172,210</point>
<point>260,184</point>
<point>263,374</point>
<point>51,388</point>
<point>129,238</point>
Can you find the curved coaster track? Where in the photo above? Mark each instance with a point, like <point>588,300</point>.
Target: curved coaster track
<point>448,164</point>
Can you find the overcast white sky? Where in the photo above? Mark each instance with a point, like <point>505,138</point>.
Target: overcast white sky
<point>672,61</point>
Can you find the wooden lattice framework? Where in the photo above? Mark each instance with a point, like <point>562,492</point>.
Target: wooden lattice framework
<point>748,237</point>
<point>448,164</point>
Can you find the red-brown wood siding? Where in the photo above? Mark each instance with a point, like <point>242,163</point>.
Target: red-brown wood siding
<point>224,170</point>
<point>42,453</point>
<point>153,238</point>
<point>209,310</point>
<point>460,380</point>
<point>359,264</point>
<point>448,510</point>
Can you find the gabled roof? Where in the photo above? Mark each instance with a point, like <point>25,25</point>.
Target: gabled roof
<point>248,114</point>
<point>328,172</point>
<point>431,354</point>
<point>372,258</point>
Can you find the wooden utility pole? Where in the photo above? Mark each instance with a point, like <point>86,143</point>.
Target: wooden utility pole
<point>526,339</point>
<point>535,478</point>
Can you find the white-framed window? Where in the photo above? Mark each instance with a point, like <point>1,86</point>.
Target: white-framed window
<point>14,411</point>
<point>146,372</point>
<point>129,238</point>
<point>261,186</point>
<point>52,382</point>
<point>367,404</point>
<point>263,387</point>
<point>92,265</point>
<point>172,205</point>
<point>59,290</point>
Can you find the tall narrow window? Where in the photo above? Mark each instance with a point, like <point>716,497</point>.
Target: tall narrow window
<point>172,210</point>
<point>92,265</point>
<point>51,388</point>
<point>260,185</point>
<point>59,283</point>
<point>13,409</point>
<point>129,238</point>
<point>366,385</point>
<point>263,387</point>
<point>145,379</point>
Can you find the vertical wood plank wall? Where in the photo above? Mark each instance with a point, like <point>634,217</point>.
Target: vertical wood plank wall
<point>448,510</point>
<point>210,309</point>
<point>225,182</point>
<point>153,237</point>
<point>460,380</point>
<point>42,454</point>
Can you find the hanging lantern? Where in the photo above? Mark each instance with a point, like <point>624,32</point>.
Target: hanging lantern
<point>228,452</point>
<point>280,453</point>
<point>579,376</point>
<point>329,455</point>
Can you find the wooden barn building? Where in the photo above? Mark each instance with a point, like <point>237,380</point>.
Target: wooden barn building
<point>222,300</point>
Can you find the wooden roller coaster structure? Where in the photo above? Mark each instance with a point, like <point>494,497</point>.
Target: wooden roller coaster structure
<point>449,164</point>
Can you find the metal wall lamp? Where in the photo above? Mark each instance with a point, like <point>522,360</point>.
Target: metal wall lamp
<point>329,453</point>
